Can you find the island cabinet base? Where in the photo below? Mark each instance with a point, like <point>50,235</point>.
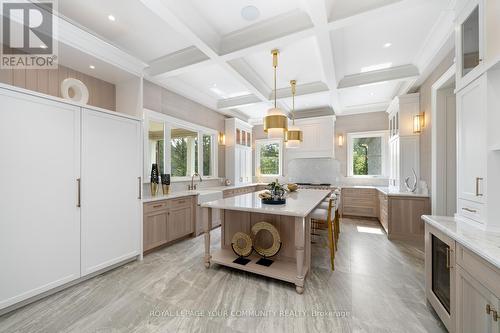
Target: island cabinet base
<point>292,262</point>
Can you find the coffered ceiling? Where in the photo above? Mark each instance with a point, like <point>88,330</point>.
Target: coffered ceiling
<point>347,56</point>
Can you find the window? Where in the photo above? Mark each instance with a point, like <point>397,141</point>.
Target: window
<point>183,152</point>
<point>207,154</point>
<point>179,148</point>
<point>268,157</point>
<point>156,139</point>
<point>367,154</point>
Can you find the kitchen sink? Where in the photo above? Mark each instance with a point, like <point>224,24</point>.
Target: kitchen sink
<point>208,195</point>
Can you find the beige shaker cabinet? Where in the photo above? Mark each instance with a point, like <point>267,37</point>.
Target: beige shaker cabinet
<point>179,223</point>
<point>166,221</point>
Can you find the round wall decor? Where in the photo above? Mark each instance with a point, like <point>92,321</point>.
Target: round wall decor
<point>275,247</point>
<point>241,244</point>
<point>74,90</point>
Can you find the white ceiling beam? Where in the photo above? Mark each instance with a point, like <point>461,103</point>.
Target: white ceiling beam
<point>235,102</point>
<point>317,11</point>
<point>301,89</point>
<point>177,61</point>
<point>265,31</point>
<point>283,93</point>
<point>381,75</point>
<point>366,108</point>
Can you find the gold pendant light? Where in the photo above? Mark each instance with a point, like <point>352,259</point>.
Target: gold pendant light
<point>294,134</point>
<point>276,121</point>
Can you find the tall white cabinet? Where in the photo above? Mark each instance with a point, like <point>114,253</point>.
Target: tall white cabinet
<point>239,151</point>
<point>69,194</point>
<point>478,113</point>
<point>39,217</point>
<point>110,208</point>
<point>404,145</point>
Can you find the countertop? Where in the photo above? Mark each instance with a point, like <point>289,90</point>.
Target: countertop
<point>299,204</point>
<point>485,244</point>
<point>206,190</point>
<point>391,192</point>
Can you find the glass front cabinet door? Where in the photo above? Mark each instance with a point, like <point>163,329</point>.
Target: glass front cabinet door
<point>470,40</point>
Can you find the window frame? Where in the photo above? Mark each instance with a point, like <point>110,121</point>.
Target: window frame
<point>385,152</point>
<point>261,142</point>
<point>169,123</point>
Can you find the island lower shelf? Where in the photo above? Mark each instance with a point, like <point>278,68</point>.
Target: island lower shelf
<point>281,269</point>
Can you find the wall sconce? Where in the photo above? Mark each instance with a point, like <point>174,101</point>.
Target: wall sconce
<point>222,138</point>
<point>418,122</point>
<point>340,140</point>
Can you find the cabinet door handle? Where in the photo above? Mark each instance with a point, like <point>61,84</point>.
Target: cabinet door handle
<point>494,315</point>
<point>448,265</point>
<point>488,309</point>
<point>139,180</point>
<point>157,206</point>
<point>181,202</point>
<point>469,210</point>
<point>78,192</point>
<point>478,179</point>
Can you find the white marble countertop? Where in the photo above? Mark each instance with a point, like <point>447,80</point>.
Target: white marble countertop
<point>206,190</point>
<point>390,192</point>
<point>485,244</point>
<point>299,203</point>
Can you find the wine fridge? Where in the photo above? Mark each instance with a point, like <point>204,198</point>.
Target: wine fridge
<point>440,274</point>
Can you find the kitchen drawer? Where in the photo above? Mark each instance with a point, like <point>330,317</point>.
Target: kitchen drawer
<point>356,192</point>
<point>471,210</point>
<point>360,201</point>
<point>180,202</point>
<point>359,211</point>
<point>484,272</point>
<point>155,206</point>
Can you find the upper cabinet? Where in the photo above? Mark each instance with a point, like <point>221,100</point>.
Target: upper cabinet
<point>470,40</point>
<point>477,44</point>
<point>404,151</point>
<point>238,151</point>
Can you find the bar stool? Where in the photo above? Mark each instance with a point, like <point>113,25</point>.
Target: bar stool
<point>321,214</point>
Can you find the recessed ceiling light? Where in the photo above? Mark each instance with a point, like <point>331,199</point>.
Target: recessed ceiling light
<point>250,13</point>
<point>111,18</point>
<point>92,67</point>
<point>386,45</point>
<point>371,94</point>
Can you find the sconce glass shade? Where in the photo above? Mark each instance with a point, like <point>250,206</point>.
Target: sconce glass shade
<point>275,124</point>
<point>340,140</point>
<point>417,123</point>
<point>222,138</point>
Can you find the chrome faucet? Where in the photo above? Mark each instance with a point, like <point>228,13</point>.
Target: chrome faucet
<point>193,185</point>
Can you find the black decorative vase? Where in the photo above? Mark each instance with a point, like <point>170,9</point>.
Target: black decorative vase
<point>154,179</point>
<point>165,183</point>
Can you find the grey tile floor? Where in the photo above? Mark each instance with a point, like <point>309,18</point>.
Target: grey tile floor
<point>378,286</point>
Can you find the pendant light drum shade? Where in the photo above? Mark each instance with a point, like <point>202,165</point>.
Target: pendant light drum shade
<point>276,121</point>
<point>275,124</point>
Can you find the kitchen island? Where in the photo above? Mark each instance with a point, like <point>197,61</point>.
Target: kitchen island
<point>292,220</point>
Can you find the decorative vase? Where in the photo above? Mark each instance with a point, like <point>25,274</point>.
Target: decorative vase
<point>165,183</point>
<point>154,180</point>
